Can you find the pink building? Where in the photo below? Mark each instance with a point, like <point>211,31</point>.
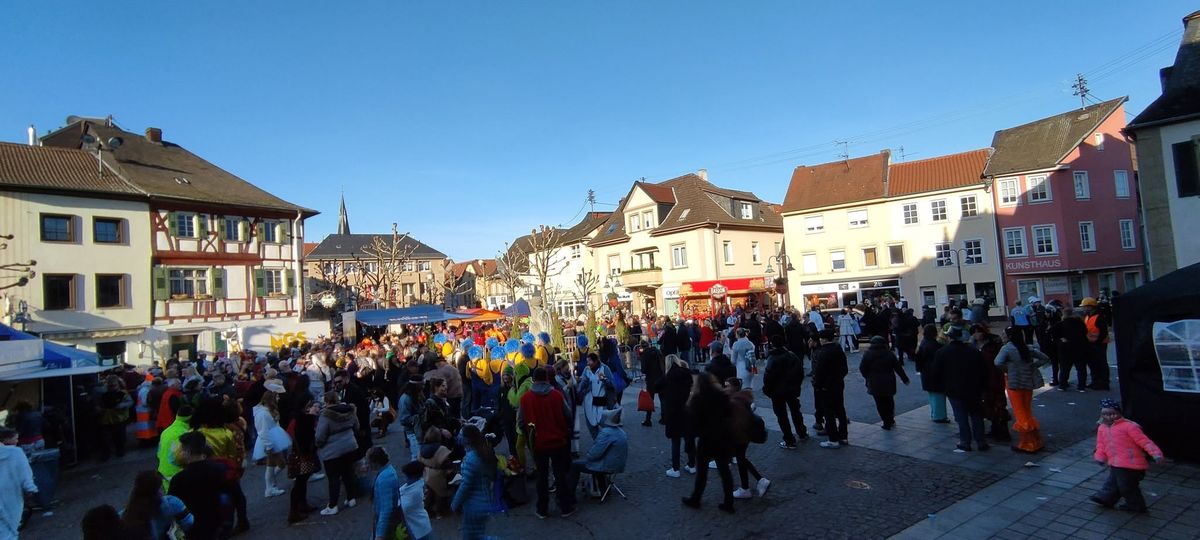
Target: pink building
<point>1066,206</point>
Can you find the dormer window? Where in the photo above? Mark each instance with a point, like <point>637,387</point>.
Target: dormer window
<point>648,219</point>
<point>635,223</point>
<point>747,210</point>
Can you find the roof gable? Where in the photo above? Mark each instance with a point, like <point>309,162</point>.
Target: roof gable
<point>1044,143</point>
<point>838,182</point>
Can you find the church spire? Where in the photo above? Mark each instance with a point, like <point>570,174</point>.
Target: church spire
<point>343,220</point>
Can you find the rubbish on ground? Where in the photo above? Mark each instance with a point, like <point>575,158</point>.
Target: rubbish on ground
<point>1055,469</point>
<point>1031,464</point>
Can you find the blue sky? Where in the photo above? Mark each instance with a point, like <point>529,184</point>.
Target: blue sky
<point>468,123</point>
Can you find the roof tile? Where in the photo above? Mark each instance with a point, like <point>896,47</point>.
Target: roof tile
<point>1044,143</point>
<point>43,167</point>
<point>838,182</point>
<point>938,173</point>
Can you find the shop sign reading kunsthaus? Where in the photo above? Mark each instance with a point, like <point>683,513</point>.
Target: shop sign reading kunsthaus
<point>1035,264</point>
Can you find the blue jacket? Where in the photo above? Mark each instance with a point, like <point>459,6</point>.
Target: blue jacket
<point>387,498</point>
<point>610,451</point>
<point>476,494</point>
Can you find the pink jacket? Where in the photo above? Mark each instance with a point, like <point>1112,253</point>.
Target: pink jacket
<point>1124,445</point>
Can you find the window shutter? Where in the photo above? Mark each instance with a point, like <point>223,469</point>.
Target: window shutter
<point>1187,174</point>
<point>220,228</point>
<point>216,282</point>
<point>201,225</point>
<point>260,283</point>
<point>281,233</point>
<point>260,231</point>
<point>243,230</point>
<point>285,281</point>
<point>162,287</point>
<point>172,224</point>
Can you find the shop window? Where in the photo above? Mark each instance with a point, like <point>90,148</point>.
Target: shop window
<point>987,291</point>
<point>956,292</point>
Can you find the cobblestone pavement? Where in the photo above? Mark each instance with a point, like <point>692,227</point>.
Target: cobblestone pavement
<point>888,482</point>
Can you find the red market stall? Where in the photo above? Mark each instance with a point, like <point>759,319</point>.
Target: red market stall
<point>708,297</point>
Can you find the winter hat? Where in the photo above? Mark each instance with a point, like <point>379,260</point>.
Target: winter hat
<point>878,340</point>
<point>1108,403</point>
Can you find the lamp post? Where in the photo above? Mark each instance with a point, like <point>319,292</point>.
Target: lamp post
<point>785,266</point>
<point>611,283</point>
<point>958,257</point>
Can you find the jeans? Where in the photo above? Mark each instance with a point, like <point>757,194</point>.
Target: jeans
<point>831,407</point>
<point>414,448</point>
<point>782,406</point>
<point>689,444</point>
<point>579,467</point>
<point>1123,482</point>
<point>969,416</point>
<point>560,460</point>
<point>339,471</point>
<point>722,460</point>
<point>937,406</point>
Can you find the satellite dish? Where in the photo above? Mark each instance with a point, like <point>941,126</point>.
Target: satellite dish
<point>87,139</point>
<point>114,143</point>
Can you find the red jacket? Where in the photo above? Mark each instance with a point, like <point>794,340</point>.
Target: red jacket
<point>1124,445</point>
<point>546,409</point>
<point>166,414</point>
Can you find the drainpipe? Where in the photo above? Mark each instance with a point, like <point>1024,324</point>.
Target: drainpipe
<point>297,253</point>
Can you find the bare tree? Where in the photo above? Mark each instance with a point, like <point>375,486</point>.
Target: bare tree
<point>451,286</point>
<point>18,272</point>
<point>510,264</point>
<point>587,283</point>
<point>386,258</point>
<point>544,262</point>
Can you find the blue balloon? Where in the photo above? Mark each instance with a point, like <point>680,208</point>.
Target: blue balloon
<point>492,343</point>
<point>439,339</point>
<point>527,337</point>
<point>512,346</point>
<point>498,352</point>
<point>475,352</point>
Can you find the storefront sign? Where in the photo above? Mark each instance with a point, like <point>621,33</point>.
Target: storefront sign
<point>670,293</point>
<point>718,291</point>
<point>625,296</point>
<point>1056,285</point>
<point>1033,265</point>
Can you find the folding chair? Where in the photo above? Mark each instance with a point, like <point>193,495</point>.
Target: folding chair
<point>612,485</point>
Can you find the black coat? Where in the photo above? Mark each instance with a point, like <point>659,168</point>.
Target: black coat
<point>829,367</point>
<point>797,336</point>
<point>668,343</point>
<point>784,376</point>
<point>925,356</point>
<point>880,367</point>
<point>683,338</point>
<point>652,366</point>
<point>673,391</point>
<point>962,371</point>
<point>722,368</point>
<point>773,328</point>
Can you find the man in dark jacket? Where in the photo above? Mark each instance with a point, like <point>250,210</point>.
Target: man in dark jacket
<point>652,370</point>
<point>797,336</point>
<point>721,367</point>
<point>668,343</point>
<point>546,419</point>
<point>683,340</point>
<point>1073,350</point>
<point>782,382</point>
<point>829,384</point>
<point>880,368</point>
<point>963,372</point>
<point>202,485</point>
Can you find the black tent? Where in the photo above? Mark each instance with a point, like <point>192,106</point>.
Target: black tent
<point>1169,416</point>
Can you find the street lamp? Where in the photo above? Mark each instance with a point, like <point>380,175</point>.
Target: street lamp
<point>958,256</point>
<point>785,266</point>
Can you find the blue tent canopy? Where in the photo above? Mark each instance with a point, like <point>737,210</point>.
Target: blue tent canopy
<point>520,308</point>
<point>57,360</point>
<point>410,315</point>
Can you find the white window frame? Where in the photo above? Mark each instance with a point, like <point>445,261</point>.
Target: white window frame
<point>424,266</point>
<point>942,254</point>
<point>1122,225</point>
<point>814,224</point>
<point>916,214</point>
<point>647,220</point>
<point>1087,236</point>
<point>857,223</point>
<point>576,251</point>
<point>727,251</point>
<point>1125,279</point>
<point>188,219</point>
<point>273,280</point>
<point>1023,242</point>
<point>270,231</point>
<point>965,202</point>
<point>614,264</point>
<point>1035,184</point>
<point>973,256</point>
<point>864,251</point>
<point>635,223</point>
<point>833,260</point>
<point>1004,185</point>
<point>1083,186</point>
<point>938,208</point>
<point>1098,141</point>
<point>679,256</point>
<point>805,267</point>
<point>903,255</point>
<point>747,210</point>
<point>755,253</point>
<point>1033,231</point>
<point>1121,183</point>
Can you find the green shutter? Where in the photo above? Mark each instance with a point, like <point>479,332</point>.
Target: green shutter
<point>243,230</point>
<point>172,224</point>
<point>260,283</point>
<point>161,285</point>
<point>221,228</point>
<point>201,225</point>
<point>260,231</point>
<point>285,285</point>
<point>216,282</point>
<point>285,232</point>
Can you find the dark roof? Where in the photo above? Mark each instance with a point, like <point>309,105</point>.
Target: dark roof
<point>59,169</point>
<point>695,202</point>
<point>345,246</point>
<point>581,230</point>
<point>1180,99</point>
<point>938,173</point>
<point>1043,144</point>
<point>169,171</point>
<point>838,182</point>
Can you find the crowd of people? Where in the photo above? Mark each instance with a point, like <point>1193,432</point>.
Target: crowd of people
<point>316,410</point>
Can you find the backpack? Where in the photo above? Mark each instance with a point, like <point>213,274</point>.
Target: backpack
<point>758,429</point>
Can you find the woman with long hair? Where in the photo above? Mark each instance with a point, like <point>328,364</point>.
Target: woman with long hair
<point>1022,378</point>
<point>673,391</point>
<point>476,495</point>
<point>149,514</point>
<point>302,459</point>
<point>710,411</point>
<point>271,446</point>
<point>925,354</point>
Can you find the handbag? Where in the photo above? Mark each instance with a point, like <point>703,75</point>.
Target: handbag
<point>645,401</point>
<point>758,429</point>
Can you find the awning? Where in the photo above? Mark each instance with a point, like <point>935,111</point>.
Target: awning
<point>721,287</point>
<point>57,360</point>
<point>409,315</point>
<point>43,373</point>
<point>483,316</point>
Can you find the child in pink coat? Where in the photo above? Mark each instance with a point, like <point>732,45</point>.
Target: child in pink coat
<point>1122,446</point>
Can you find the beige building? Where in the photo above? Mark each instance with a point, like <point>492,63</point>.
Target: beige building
<point>686,246</point>
<point>867,229</point>
<point>89,233</point>
<point>342,260</point>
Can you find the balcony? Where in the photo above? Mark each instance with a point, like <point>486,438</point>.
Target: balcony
<point>642,277</point>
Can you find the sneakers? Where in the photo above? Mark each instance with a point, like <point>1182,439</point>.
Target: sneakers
<point>351,503</point>
<point>315,477</point>
<point>673,473</point>
<point>742,493</point>
<point>831,444</point>
<point>1100,501</point>
<point>690,469</point>
<point>961,449</point>
<point>274,492</point>
<point>762,486</point>
<point>787,445</point>
<point>329,511</point>
<point>539,514</point>
<point>712,465</point>
<point>569,513</point>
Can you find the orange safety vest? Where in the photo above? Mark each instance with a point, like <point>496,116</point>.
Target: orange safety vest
<point>1093,328</point>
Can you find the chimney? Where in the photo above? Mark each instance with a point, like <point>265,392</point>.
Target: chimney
<point>154,135</point>
<point>1185,72</point>
<point>703,174</point>
<point>32,132</point>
